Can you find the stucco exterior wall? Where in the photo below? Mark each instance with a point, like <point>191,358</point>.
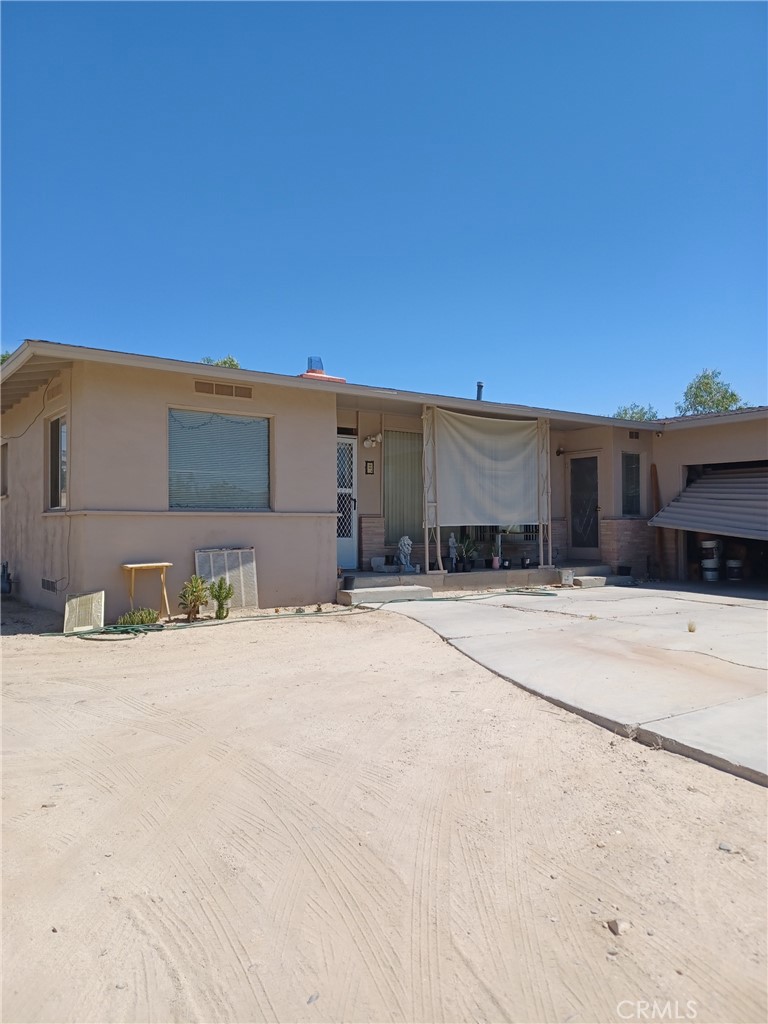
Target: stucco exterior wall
<point>36,543</point>
<point>576,443</point>
<point>677,448</point>
<point>118,490</point>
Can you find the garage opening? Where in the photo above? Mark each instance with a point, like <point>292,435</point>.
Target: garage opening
<point>723,514</point>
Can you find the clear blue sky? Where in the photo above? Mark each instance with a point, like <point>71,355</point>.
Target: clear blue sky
<point>567,201</point>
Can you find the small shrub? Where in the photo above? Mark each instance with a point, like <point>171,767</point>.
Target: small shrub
<point>691,627</point>
<point>298,611</point>
<point>194,593</point>
<point>139,617</point>
<point>318,607</point>
<point>221,592</point>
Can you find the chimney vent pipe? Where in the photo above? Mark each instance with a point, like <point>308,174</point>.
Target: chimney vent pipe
<point>480,387</point>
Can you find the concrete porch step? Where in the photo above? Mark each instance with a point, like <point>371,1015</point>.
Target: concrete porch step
<point>380,579</point>
<point>603,581</point>
<point>382,595</point>
<point>587,570</point>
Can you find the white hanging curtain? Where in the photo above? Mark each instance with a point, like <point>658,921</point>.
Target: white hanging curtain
<point>487,470</point>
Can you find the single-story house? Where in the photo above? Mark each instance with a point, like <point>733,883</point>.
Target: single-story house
<point>111,458</point>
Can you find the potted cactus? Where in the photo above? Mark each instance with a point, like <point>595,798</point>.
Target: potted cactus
<point>222,593</point>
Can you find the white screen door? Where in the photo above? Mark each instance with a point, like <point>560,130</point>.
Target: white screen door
<point>346,502</point>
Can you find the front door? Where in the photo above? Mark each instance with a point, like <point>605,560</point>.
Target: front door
<point>346,502</point>
<point>584,507</point>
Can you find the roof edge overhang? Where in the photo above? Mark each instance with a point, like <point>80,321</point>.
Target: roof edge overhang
<point>53,350</point>
<point>65,353</point>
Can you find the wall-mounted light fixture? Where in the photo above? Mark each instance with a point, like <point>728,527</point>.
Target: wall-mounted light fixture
<point>559,451</point>
<point>372,440</point>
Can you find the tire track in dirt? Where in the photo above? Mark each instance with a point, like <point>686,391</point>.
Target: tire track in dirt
<point>142,851</point>
<point>520,905</point>
<point>430,860</point>
<point>222,920</point>
<point>289,896</point>
<point>156,931</point>
<point>356,882</point>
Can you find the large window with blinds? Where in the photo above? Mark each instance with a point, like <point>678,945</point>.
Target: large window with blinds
<point>217,462</point>
<point>403,487</point>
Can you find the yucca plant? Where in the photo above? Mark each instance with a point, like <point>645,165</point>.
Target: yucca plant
<point>221,592</point>
<point>194,593</point>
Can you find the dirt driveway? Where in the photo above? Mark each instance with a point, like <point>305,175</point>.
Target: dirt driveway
<point>341,818</point>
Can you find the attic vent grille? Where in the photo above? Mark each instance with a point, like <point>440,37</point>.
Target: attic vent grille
<point>207,387</point>
<point>634,435</point>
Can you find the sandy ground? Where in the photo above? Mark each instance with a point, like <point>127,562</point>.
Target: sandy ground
<point>340,818</point>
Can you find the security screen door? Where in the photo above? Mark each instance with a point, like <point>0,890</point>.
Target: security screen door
<point>346,502</point>
<point>584,508</point>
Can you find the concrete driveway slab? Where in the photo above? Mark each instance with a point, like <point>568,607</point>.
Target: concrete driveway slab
<point>735,730</point>
<point>629,661</point>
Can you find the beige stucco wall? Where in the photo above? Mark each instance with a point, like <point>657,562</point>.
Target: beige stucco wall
<point>590,441</point>
<point>740,441</point>
<point>118,489</point>
<point>35,543</point>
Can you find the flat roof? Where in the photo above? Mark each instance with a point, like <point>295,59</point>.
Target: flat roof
<point>35,363</point>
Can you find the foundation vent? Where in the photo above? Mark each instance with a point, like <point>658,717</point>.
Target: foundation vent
<point>208,387</point>
<point>48,585</point>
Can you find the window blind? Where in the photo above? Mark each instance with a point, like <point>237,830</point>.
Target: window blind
<point>403,487</point>
<point>630,484</point>
<point>217,462</point>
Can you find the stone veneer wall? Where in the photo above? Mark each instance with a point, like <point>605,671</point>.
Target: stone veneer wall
<point>559,532</point>
<point>370,539</point>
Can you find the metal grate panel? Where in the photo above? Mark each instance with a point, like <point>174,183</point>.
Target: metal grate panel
<point>84,612</point>
<point>344,518</point>
<point>344,461</point>
<point>237,566</point>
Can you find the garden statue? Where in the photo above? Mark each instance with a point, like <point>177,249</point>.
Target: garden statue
<point>452,552</point>
<point>404,554</point>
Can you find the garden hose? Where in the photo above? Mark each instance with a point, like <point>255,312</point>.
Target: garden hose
<point>131,632</point>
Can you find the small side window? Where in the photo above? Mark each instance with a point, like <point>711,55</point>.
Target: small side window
<point>57,462</point>
<point>630,484</point>
<point>3,469</point>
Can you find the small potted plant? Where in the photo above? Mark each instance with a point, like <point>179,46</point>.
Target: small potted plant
<point>194,593</point>
<point>467,549</point>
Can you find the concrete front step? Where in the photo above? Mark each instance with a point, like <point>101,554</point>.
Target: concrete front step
<point>589,570</point>
<point>382,595</point>
<point>603,581</point>
<point>380,579</point>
